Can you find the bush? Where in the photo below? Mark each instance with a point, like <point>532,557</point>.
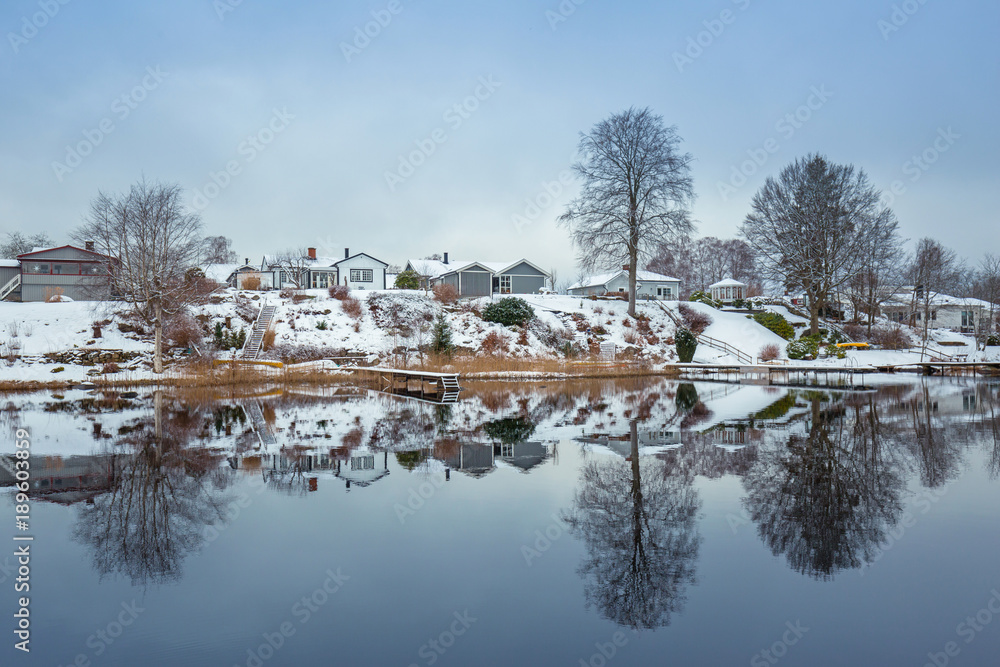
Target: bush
<point>53,294</point>
<point>705,298</point>
<point>993,339</point>
<point>686,345</point>
<point>286,293</point>
<point>352,307</point>
<point>321,325</point>
<point>510,311</point>
<point>446,294</point>
<point>110,367</point>
<point>182,330</point>
<point>891,338</point>
<point>769,352</point>
<point>805,347</point>
<point>856,332</point>
<point>739,303</point>
<point>251,282</point>
<point>694,320</point>
<point>495,343</point>
<point>339,292</point>
<point>268,342</point>
<point>776,323</point>
<point>407,280</point>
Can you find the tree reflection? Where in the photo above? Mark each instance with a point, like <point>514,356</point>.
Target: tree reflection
<point>638,522</point>
<point>828,498</point>
<point>163,496</point>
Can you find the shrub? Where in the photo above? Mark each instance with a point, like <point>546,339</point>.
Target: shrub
<point>110,367</point>
<point>993,339</point>
<point>286,293</point>
<point>769,352</point>
<point>251,282</point>
<point>857,332</point>
<point>802,348</point>
<point>631,337</point>
<point>705,298</point>
<point>509,311</point>
<point>739,303</point>
<point>53,294</point>
<point>686,345</point>
<point>446,294</point>
<point>891,338</point>
<point>407,280</point>
<point>352,307</point>
<point>268,341</point>
<point>321,325</point>
<point>339,292</point>
<point>182,330</point>
<point>694,320</point>
<point>776,323</point>
<point>495,343</point>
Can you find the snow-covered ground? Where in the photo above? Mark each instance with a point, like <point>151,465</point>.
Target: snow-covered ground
<point>318,326</point>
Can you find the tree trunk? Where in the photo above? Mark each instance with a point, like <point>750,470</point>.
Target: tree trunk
<point>633,265</point>
<point>813,315</point>
<point>158,338</point>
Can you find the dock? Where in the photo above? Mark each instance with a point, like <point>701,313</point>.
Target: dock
<point>786,375</point>
<point>425,385</point>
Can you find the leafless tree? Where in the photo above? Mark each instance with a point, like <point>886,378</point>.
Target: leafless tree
<point>810,224</point>
<point>636,192</point>
<point>154,240</point>
<point>987,288</point>
<point>294,262</point>
<point>879,274</point>
<point>934,267</point>
<point>219,250</point>
<point>18,244</point>
<point>701,262</point>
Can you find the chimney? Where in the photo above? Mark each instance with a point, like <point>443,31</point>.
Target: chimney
<point>347,253</point>
<point>246,261</point>
<point>625,267</point>
<point>89,245</point>
<point>312,253</point>
<point>446,258</point>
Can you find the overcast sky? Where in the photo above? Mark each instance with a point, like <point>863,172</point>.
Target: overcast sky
<point>312,117</point>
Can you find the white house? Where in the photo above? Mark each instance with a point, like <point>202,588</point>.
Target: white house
<point>728,290</point>
<point>361,271</point>
<point>963,314</point>
<point>648,285</point>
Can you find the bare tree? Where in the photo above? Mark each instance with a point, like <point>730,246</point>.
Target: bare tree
<point>294,262</point>
<point>879,274</point>
<point>635,196</point>
<point>153,240</point>
<point>934,267</point>
<point>701,262</point>
<point>810,225</point>
<point>988,289</point>
<point>219,250</point>
<point>18,244</point>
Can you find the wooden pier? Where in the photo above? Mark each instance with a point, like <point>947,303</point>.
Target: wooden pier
<point>425,385</point>
<point>819,377</point>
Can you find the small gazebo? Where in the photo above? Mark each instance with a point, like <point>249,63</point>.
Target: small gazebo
<point>728,290</point>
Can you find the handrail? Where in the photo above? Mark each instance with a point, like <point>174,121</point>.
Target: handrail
<point>10,287</point>
<point>711,342</point>
<point>943,356</point>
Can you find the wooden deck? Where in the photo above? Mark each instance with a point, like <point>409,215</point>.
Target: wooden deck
<point>441,387</point>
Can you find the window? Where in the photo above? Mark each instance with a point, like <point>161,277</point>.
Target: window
<point>505,284</point>
<point>39,268</point>
<point>933,314</point>
<point>91,269</point>
<point>967,318</point>
<point>362,276</point>
<point>65,269</point>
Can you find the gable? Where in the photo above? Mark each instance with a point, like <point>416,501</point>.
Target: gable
<point>67,252</point>
<point>523,268</point>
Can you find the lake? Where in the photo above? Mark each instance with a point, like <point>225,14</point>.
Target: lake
<point>630,522</point>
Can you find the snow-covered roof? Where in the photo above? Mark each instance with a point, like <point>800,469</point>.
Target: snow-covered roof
<point>728,282</point>
<point>275,260</point>
<point>903,299</point>
<point>604,278</point>
<point>9,263</point>
<point>219,272</point>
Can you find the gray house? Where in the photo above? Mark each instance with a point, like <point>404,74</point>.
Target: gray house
<point>649,285</point>
<point>81,274</point>
<point>474,279</point>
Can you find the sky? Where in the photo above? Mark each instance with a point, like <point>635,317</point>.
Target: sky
<point>405,128</point>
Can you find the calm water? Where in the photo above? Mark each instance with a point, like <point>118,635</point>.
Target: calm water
<point>618,523</point>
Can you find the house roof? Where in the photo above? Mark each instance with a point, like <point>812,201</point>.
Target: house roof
<point>360,254</point>
<point>36,251</point>
<point>221,273</point>
<point>9,263</point>
<point>434,268</point>
<point>904,299</point>
<point>728,282</point>
<point>602,279</point>
<point>275,260</point>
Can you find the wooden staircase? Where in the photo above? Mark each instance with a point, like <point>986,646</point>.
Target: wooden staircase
<point>252,347</point>
<point>449,383</point>
<point>10,287</point>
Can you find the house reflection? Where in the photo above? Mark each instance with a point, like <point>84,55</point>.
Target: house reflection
<point>64,480</point>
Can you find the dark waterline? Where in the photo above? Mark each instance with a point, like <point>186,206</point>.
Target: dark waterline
<point>631,522</point>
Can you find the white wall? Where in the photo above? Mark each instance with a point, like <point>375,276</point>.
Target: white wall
<point>362,262</point>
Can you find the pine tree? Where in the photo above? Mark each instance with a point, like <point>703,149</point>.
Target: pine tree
<point>442,335</point>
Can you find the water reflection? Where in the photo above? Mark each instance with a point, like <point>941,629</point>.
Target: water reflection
<point>161,496</point>
<point>637,517</point>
